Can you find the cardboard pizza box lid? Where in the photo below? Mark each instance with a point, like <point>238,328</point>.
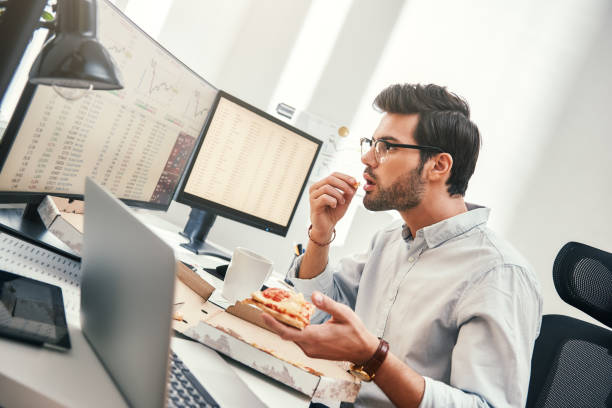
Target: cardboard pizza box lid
<point>247,312</point>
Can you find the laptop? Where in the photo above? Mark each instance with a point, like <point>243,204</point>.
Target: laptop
<point>127,292</point>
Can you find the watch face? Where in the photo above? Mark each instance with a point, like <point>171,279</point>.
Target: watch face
<point>359,373</point>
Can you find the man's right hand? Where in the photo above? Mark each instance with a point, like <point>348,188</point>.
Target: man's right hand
<point>329,200</point>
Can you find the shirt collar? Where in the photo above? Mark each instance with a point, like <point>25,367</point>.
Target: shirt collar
<point>444,230</point>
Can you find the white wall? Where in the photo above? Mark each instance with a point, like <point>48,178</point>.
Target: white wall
<point>566,194</point>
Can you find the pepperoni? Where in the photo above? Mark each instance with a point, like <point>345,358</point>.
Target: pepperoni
<point>276,294</point>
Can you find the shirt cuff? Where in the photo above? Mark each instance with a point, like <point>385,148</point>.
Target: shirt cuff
<point>323,282</point>
<point>439,394</point>
<point>427,400</point>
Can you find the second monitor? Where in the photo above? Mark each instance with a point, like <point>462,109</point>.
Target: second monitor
<point>248,166</point>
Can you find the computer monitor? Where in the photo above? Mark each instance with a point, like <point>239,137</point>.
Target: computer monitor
<point>136,141</point>
<point>249,167</point>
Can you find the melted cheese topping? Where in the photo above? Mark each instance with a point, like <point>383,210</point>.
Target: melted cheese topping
<point>286,302</point>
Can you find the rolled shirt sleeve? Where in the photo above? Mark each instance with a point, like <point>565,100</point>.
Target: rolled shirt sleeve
<point>322,282</point>
<point>339,283</point>
<point>499,320</point>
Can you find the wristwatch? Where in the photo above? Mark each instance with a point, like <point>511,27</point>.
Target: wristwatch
<point>367,371</point>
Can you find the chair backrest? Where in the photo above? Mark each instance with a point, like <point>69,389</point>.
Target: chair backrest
<point>583,278</point>
<point>572,359</point>
<point>571,365</point>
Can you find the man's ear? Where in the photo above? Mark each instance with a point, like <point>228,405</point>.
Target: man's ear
<point>442,165</point>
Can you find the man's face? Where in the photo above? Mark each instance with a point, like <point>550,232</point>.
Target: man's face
<point>396,182</point>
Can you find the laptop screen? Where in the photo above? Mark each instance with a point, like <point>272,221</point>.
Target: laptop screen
<point>127,291</point>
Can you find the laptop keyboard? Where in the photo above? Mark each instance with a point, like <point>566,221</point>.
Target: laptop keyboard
<point>184,389</point>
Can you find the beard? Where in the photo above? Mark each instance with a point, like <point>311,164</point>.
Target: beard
<point>405,193</point>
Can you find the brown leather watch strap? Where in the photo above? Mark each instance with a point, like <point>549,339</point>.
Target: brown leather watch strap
<point>377,359</point>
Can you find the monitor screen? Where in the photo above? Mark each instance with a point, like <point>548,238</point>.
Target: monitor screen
<point>135,141</point>
<point>249,166</point>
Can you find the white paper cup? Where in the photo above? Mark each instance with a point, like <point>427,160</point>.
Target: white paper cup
<point>245,274</point>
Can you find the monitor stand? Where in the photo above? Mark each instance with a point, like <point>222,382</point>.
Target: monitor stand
<point>198,225</point>
<point>28,224</point>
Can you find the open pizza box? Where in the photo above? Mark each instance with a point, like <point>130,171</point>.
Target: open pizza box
<point>239,332</point>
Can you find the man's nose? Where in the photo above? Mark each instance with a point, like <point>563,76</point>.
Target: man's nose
<point>369,159</point>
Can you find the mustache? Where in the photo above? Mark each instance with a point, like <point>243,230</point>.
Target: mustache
<point>368,171</point>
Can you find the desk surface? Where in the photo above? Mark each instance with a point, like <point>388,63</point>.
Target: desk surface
<point>34,376</point>
<point>69,378</point>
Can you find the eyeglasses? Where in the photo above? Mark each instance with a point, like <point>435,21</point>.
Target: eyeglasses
<point>381,147</point>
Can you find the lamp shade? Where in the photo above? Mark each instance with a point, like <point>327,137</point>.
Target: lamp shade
<point>73,57</point>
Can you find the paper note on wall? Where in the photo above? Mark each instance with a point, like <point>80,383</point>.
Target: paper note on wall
<point>340,150</point>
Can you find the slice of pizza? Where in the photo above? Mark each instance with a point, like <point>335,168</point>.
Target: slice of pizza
<point>285,306</point>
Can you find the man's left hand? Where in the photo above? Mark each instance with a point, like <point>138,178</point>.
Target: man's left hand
<point>343,337</point>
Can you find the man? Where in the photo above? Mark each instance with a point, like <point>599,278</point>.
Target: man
<point>458,307</point>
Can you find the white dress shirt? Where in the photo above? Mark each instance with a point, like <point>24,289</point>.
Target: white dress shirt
<point>456,303</point>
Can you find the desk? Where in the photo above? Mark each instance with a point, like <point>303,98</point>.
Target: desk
<point>33,376</point>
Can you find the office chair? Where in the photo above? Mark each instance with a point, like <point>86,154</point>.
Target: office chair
<point>572,359</point>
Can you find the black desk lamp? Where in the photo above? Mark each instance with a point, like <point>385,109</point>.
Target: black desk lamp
<point>74,58</point>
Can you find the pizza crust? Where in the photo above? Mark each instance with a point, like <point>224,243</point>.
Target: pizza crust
<point>291,321</point>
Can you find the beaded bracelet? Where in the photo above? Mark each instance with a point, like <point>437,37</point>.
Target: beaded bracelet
<point>318,243</point>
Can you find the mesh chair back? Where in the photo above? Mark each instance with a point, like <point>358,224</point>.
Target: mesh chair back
<point>572,359</point>
<point>583,278</point>
<point>571,365</point>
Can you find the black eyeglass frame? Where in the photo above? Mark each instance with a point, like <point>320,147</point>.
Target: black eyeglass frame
<point>389,144</point>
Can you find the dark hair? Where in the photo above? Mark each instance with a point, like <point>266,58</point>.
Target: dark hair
<point>444,122</point>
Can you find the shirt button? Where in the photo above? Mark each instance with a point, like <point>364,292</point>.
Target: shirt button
<point>411,259</point>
